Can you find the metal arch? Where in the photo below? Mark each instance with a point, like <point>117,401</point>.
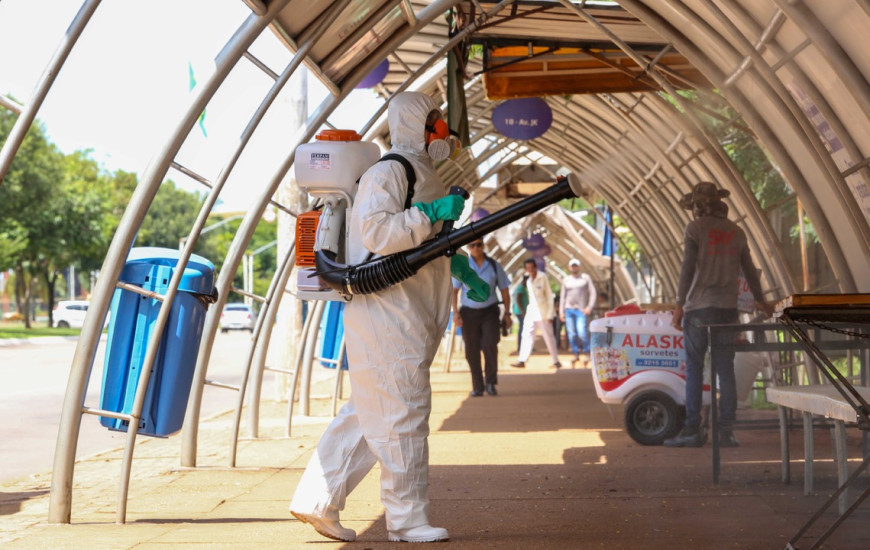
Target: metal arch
<point>822,39</point>
<point>61,489</point>
<point>666,204</point>
<point>624,286</point>
<point>361,30</point>
<point>756,221</point>
<point>713,146</point>
<point>772,143</point>
<point>10,104</point>
<point>441,51</point>
<point>678,171</point>
<point>665,85</point>
<point>810,88</point>
<point>657,203</point>
<point>622,177</point>
<point>263,326</point>
<point>259,363</point>
<point>28,113</point>
<point>248,225</point>
<point>646,120</point>
<point>316,30</point>
<point>765,260</point>
<point>791,112</point>
<point>518,256</point>
<point>651,120</point>
<point>616,177</point>
<point>795,115</point>
<point>785,281</point>
<point>637,227</point>
<point>515,253</point>
<point>506,162</point>
<point>304,359</point>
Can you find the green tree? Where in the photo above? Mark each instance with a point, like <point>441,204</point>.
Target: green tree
<point>743,148</point>
<point>13,241</point>
<point>24,194</point>
<point>52,215</point>
<point>170,217</point>
<point>71,231</point>
<point>265,262</point>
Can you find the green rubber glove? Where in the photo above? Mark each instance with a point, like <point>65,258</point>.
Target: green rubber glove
<point>478,289</point>
<point>445,208</point>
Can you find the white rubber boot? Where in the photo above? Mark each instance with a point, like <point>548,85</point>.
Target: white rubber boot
<point>423,533</point>
<point>329,528</point>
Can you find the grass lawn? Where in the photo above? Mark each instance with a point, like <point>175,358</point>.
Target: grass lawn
<point>17,330</point>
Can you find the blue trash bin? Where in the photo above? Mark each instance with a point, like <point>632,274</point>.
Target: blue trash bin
<point>132,323</point>
<point>331,333</point>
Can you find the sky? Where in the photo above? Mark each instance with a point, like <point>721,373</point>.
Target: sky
<point>126,83</point>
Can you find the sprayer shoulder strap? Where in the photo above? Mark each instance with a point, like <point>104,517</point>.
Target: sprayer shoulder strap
<point>409,173</point>
<point>492,265</point>
<point>495,271</point>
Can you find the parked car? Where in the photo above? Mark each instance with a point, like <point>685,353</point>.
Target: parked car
<point>237,316</point>
<point>70,313</point>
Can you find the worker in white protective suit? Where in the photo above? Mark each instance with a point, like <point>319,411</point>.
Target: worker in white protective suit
<point>392,337</point>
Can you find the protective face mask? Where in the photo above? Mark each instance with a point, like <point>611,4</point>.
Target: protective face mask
<point>440,149</point>
<point>441,144</point>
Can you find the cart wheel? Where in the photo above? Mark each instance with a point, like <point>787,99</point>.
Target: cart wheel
<point>652,416</point>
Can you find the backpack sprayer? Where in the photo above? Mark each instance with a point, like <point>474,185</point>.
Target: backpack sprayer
<point>330,168</point>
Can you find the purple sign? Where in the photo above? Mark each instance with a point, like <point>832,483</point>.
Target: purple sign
<point>376,76</point>
<point>537,245</point>
<point>534,242</point>
<point>479,214</point>
<point>526,118</point>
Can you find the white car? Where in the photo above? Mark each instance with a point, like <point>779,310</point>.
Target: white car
<point>237,316</point>
<point>70,313</point>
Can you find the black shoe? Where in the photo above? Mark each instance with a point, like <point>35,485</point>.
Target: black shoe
<point>476,393</point>
<point>557,365</point>
<point>688,437</point>
<point>727,439</point>
<point>490,389</point>
<point>519,365</point>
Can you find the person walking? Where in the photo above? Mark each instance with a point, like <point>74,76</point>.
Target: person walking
<point>519,304</point>
<point>392,337</point>
<point>480,321</point>
<point>575,304</point>
<point>715,250</point>
<point>539,315</point>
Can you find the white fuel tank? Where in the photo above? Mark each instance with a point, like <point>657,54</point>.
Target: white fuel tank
<point>333,162</point>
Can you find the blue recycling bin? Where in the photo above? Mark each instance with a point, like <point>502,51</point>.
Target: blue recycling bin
<point>130,329</point>
<point>331,333</point>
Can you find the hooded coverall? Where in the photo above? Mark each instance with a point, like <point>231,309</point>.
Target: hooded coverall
<point>392,337</point>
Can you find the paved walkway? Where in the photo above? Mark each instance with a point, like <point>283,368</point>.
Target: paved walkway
<point>544,465</point>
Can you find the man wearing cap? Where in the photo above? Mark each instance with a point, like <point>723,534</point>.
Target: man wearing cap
<point>715,250</point>
<point>575,303</point>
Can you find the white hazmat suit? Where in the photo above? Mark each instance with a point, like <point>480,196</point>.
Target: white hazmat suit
<point>392,337</point>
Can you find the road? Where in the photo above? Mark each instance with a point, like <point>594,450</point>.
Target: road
<point>33,379</point>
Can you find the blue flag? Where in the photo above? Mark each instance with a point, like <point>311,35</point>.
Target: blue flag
<point>609,245</point>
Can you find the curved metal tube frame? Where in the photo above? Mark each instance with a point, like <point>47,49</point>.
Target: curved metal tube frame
<point>61,490</point>
<point>28,113</point>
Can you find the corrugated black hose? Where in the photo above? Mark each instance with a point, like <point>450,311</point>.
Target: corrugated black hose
<point>378,274</point>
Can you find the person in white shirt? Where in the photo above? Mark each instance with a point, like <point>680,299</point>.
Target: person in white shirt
<point>539,315</point>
